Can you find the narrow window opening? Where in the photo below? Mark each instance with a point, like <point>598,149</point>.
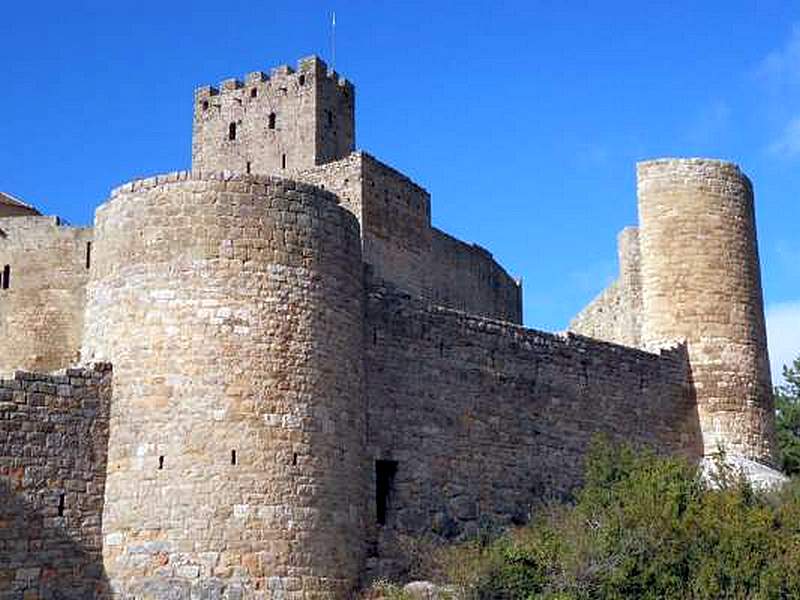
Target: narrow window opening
<point>248,167</point>
<point>6,277</point>
<point>283,161</point>
<point>294,459</point>
<point>253,93</point>
<point>385,471</point>
<point>271,121</point>
<point>205,104</point>
<point>301,80</point>
<point>329,114</point>
<point>233,457</point>
<point>232,131</point>
<point>61,505</point>
<point>88,254</point>
<point>441,348</point>
<point>374,336</point>
<point>160,462</point>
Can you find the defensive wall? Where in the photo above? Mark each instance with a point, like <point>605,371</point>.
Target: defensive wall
<point>53,446</point>
<point>232,309</point>
<point>691,274</point>
<point>401,246</point>
<point>307,373</point>
<point>44,267</point>
<point>473,420</point>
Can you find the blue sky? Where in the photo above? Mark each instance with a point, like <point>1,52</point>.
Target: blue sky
<point>523,119</point>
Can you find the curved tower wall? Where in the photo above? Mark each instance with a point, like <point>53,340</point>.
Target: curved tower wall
<point>232,312</point>
<point>702,284</point>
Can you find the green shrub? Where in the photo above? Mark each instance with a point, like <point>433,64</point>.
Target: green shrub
<point>643,526</point>
<point>787,418</point>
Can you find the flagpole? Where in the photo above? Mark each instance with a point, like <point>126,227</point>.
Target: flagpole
<point>333,41</point>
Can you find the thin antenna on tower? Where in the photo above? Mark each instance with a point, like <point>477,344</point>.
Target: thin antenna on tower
<point>333,41</point>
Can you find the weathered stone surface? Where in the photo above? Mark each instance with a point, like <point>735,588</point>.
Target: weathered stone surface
<point>401,246</point>
<point>616,314</point>
<point>41,311</point>
<point>283,122</point>
<point>308,375</point>
<point>52,478</point>
<point>232,309</point>
<point>485,418</point>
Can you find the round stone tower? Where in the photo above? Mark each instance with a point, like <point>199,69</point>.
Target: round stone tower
<point>701,285</point>
<point>231,308</point>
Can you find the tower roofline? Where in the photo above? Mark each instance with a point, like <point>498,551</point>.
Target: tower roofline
<point>304,65</point>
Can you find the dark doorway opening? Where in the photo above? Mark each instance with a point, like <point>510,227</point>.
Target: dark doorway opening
<point>385,471</point>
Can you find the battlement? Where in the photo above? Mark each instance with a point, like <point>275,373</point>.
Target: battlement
<point>277,123</point>
<point>282,74</point>
<point>148,183</point>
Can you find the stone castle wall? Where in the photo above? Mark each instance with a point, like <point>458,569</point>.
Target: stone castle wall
<point>45,267</point>
<point>701,283</point>
<point>232,309</point>
<point>276,124</point>
<point>482,417</point>
<point>400,245</point>
<point>616,314</point>
<point>53,437</point>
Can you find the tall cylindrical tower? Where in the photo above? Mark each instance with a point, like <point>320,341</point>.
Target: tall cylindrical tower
<point>702,285</point>
<point>231,308</point>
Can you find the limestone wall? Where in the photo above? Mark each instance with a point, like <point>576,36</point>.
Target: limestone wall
<point>41,311</point>
<point>401,247</point>
<point>53,436</point>
<point>701,283</point>
<point>466,277</point>
<point>616,314</point>
<point>484,417</point>
<point>232,309</point>
<point>274,124</point>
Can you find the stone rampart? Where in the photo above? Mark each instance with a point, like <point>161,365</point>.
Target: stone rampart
<point>53,437</point>
<point>400,245</point>
<point>480,418</point>
<point>232,308</point>
<point>44,266</point>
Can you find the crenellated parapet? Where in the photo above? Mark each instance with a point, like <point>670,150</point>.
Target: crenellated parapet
<point>280,123</point>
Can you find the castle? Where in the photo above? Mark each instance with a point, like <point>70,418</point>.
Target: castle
<point>258,378</point>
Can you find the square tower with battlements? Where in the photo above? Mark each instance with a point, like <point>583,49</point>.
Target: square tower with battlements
<point>276,124</point>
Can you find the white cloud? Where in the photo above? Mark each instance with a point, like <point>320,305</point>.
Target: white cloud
<point>787,145</point>
<point>783,335</point>
<point>779,72</point>
<point>781,68</point>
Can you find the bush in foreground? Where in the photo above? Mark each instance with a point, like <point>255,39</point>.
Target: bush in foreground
<point>643,526</point>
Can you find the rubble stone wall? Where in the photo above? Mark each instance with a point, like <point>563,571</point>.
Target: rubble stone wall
<point>53,445</point>
<point>484,417</point>
<point>400,245</point>
<point>45,267</point>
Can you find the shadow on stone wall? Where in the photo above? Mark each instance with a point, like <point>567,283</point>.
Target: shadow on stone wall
<point>38,558</point>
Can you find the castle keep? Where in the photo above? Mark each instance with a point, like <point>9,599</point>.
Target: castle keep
<point>261,377</point>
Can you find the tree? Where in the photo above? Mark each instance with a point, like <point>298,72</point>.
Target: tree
<point>787,418</point>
